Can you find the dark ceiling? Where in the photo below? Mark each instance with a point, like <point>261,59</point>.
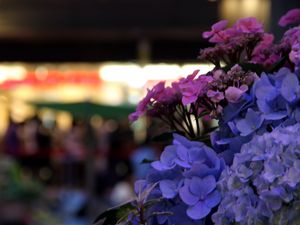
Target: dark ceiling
<point>102,30</point>
<point>96,30</point>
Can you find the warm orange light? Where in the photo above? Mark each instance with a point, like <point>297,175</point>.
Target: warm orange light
<point>235,9</point>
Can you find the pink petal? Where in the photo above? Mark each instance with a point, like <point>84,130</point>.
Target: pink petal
<point>290,17</point>
<point>219,25</point>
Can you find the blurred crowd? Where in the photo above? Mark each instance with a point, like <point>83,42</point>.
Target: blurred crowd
<point>91,163</point>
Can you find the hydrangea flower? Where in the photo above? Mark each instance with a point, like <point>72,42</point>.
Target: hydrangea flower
<point>249,25</point>
<point>234,94</point>
<point>292,16</point>
<point>186,177</point>
<point>259,125</point>
<point>261,185</point>
<point>201,195</point>
<point>294,56</point>
<point>273,101</point>
<point>191,87</point>
<point>216,35</point>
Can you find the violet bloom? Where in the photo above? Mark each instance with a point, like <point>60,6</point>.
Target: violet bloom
<point>234,94</point>
<point>267,91</point>
<point>263,181</point>
<point>290,88</point>
<point>252,122</point>
<point>292,16</point>
<point>266,42</point>
<point>146,101</point>
<point>295,54</point>
<point>291,37</point>
<point>262,51</point>
<point>215,96</point>
<point>192,88</point>
<point>167,159</point>
<point>201,195</point>
<point>249,25</point>
<point>187,173</point>
<point>216,34</point>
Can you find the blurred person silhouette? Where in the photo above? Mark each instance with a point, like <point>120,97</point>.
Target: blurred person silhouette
<point>74,154</point>
<point>36,149</point>
<point>11,139</point>
<point>122,145</point>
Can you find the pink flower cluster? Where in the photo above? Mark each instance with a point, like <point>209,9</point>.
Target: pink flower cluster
<point>191,87</point>
<point>243,44</point>
<point>234,44</point>
<point>292,16</point>
<point>219,33</point>
<point>208,93</point>
<point>291,39</point>
<point>159,100</point>
<point>295,54</point>
<point>229,87</point>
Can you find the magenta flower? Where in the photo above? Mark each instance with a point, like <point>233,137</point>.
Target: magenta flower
<point>266,43</point>
<point>192,89</point>
<point>233,94</point>
<point>215,96</point>
<point>143,105</point>
<point>249,25</point>
<point>295,54</point>
<point>217,34</point>
<point>292,16</point>
<point>168,96</point>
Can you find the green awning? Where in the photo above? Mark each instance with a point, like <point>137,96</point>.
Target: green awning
<point>88,109</point>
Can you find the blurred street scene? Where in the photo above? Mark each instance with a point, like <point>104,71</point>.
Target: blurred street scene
<point>70,73</point>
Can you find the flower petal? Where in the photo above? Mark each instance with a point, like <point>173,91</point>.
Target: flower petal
<point>198,211</point>
<point>168,188</point>
<point>186,196</point>
<point>202,187</point>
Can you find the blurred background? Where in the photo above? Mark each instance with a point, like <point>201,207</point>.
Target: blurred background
<point>70,73</point>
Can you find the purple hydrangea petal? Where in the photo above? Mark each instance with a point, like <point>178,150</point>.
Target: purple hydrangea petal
<point>168,188</point>
<point>202,186</point>
<point>198,211</point>
<point>272,200</point>
<point>160,166</point>
<point>213,199</point>
<point>290,87</point>
<point>252,122</point>
<point>264,89</point>
<point>168,155</point>
<point>182,153</point>
<point>273,170</point>
<point>186,196</point>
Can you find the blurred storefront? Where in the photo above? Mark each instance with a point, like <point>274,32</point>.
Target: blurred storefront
<point>111,84</point>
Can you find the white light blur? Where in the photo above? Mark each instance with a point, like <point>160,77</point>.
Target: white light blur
<point>190,68</point>
<point>12,73</point>
<point>136,76</point>
<point>124,73</point>
<point>161,72</point>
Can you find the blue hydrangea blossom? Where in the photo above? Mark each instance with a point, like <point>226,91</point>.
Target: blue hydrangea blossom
<point>273,101</point>
<point>186,176</point>
<point>261,186</point>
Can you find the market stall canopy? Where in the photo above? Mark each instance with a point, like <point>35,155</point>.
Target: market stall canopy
<point>88,109</point>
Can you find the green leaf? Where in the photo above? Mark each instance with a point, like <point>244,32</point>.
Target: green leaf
<point>113,215</point>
